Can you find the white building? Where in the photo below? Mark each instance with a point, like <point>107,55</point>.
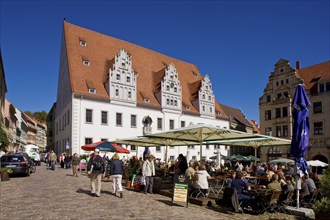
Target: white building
<point>110,89</point>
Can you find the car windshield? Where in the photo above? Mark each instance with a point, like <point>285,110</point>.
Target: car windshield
<point>12,159</point>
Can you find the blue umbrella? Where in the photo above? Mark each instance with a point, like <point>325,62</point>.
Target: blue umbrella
<point>300,132</point>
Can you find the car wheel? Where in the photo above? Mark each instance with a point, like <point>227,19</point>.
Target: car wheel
<point>34,168</point>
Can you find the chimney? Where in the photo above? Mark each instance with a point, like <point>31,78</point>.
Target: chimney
<point>298,65</point>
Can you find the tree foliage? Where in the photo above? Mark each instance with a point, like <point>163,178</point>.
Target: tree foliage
<point>41,116</point>
<point>4,142</point>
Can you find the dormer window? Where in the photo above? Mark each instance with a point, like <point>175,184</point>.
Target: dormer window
<point>82,43</point>
<point>146,100</point>
<point>187,107</point>
<point>86,62</point>
<point>195,75</point>
<point>93,91</point>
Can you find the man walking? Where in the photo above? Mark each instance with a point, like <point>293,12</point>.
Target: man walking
<point>95,169</point>
<point>52,158</point>
<point>148,171</point>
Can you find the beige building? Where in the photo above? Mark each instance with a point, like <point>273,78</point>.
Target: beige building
<point>276,113</point>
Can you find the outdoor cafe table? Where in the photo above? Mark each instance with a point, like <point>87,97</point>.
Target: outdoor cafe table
<point>217,184</point>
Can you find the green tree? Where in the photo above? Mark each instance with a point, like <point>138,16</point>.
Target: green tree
<point>41,116</point>
<point>4,142</point>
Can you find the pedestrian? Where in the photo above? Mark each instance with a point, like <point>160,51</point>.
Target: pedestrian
<point>95,169</point>
<point>62,158</point>
<point>75,164</point>
<point>52,159</point>
<point>116,172</point>
<point>148,171</point>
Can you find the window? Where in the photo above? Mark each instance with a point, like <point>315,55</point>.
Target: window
<point>167,88</point>
<point>279,95</point>
<point>268,131</point>
<point>89,116</point>
<point>168,101</point>
<point>285,131</point>
<point>286,94</point>
<point>104,117</point>
<point>117,76</point>
<point>183,124</point>
<point>274,150</point>
<point>128,79</point>
<point>287,81</point>
<point>203,96</point>
<point>175,89</point>
<point>317,107</point>
<point>117,92</point>
<point>282,82</point>
<point>285,112</point>
<point>159,123</point>
<point>203,107</point>
<point>88,140</point>
<point>278,112</point>
<point>318,128</point>
<point>171,124</point>
<point>133,121</point>
<point>210,109</point>
<point>86,62</point>
<point>209,98</point>
<point>133,148</point>
<point>119,119</point>
<point>276,83</point>
<point>268,114</point>
<point>191,146</point>
<point>327,86</point>
<point>93,91</point>
<point>175,103</point>
<point>82,43</point>
<point>129,95</point>
<point>172,158</point>
<point>268,98</point>
<point>158,149</point>
<point>172,102</point>
<point>68,117</point>
<point>321,87</point>
<point>146,100</point>
<point>278,131</point>
<point>207,147</point>
<point>187,108</point>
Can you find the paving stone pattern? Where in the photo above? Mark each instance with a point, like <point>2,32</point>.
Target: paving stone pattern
<point>50,195</point>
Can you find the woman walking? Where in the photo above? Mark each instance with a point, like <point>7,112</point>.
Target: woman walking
<point>116,172</point>
<point>75,164</point>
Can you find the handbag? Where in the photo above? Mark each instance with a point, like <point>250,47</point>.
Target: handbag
<point>142,180</point>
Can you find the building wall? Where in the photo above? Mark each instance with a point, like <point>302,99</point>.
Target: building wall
<point>285,79</point>
<point>78,129</point>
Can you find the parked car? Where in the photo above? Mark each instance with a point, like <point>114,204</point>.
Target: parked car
<point>20,163</point>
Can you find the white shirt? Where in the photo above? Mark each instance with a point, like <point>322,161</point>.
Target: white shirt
<point>202,179</point>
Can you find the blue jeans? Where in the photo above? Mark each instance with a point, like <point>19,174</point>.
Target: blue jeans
<point>149,184</point>
<point>52,164</point>
<point>244,199</point>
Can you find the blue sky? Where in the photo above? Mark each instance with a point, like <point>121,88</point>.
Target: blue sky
<point>236,42</point>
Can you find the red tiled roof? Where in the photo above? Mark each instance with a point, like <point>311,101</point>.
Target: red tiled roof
<point>315,74</point>
<point>235,114</point>
<point>100,51</point>
<point>255,126</point>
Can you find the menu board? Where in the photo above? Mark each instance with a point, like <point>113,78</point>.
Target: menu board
<point>180,194</point>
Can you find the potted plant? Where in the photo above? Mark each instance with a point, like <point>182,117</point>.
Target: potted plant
<point>5,173</point>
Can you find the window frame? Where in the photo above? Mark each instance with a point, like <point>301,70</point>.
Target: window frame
<point>91,116</point>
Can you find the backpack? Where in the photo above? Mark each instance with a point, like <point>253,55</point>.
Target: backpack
<point>97,164</point>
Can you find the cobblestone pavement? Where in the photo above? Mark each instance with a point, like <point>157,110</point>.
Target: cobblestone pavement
<point>49,194</point>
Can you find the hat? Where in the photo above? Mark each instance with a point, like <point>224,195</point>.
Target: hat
<point>97,150</point>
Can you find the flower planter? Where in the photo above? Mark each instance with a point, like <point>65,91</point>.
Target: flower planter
<point>4,176</point>
<point>128,183</point>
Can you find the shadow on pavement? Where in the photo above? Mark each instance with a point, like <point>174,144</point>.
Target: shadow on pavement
<point>167,202</point>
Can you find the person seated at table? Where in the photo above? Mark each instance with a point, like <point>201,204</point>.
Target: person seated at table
<point>310,183</point>
<point>274,185</point>
<point>240,185</point>
<point>189,174</point>
<point>230,179</point>
<point>304,191</point>
<point>202,182</point>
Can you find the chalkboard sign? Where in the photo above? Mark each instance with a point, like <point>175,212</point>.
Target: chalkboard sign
<point>180,194</point>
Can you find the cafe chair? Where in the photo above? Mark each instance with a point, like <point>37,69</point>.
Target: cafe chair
<point>197,192</point>
<point>269,203</point>
<point>230,199</point>
<point>309,202</point>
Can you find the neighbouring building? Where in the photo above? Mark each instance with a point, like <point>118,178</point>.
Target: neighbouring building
<point>110,89</point>
<point>50,128</point>
<point>237,121</point>
<point>3,90</point>
<point>276,111</point>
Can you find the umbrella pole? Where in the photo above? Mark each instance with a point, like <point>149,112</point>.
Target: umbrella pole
<point>166,148</point>
<point>200,154</point>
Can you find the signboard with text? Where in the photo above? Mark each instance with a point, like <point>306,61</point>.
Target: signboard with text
<point>180,194</point>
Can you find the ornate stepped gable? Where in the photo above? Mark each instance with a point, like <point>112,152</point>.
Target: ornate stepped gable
<point>122,78</point>
<point>206,98</point>
<point>171,91</point>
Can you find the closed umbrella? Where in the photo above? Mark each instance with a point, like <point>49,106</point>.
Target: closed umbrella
<point>300,133</point>
<point>218,160</point>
